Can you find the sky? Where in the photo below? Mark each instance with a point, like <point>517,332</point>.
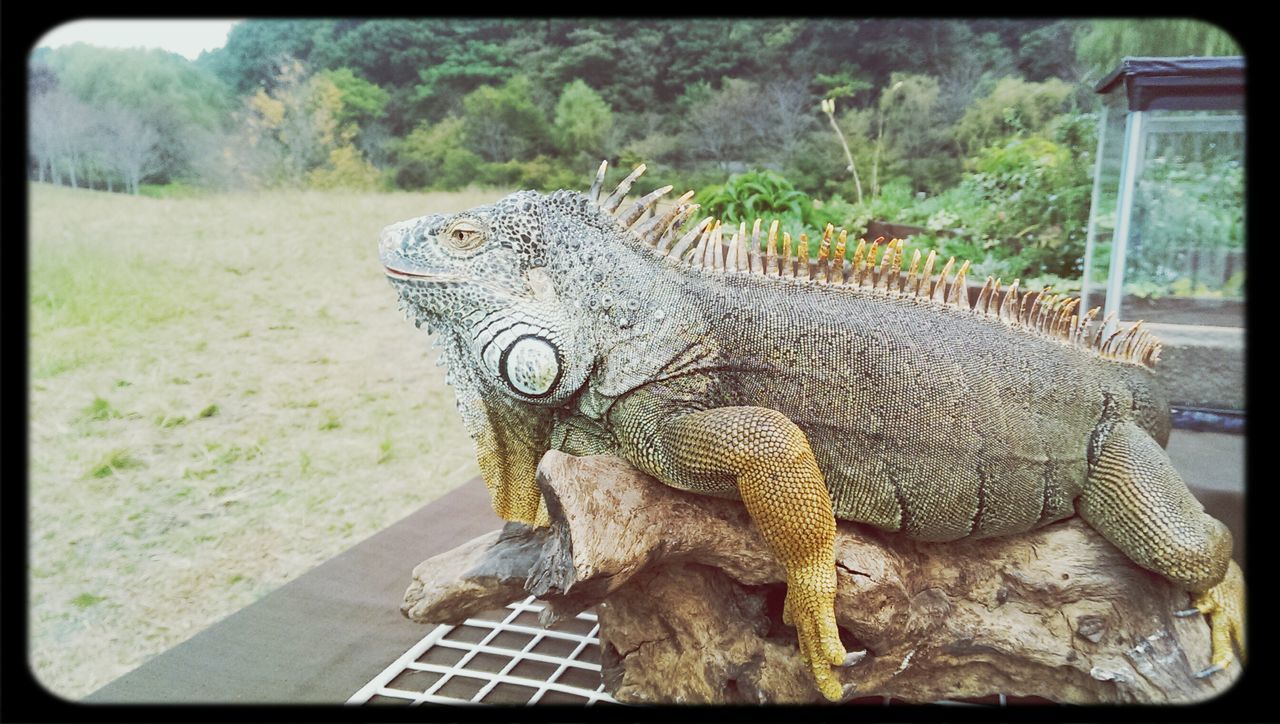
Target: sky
<point>184,37</point>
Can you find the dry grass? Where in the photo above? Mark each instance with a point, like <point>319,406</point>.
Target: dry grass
<point>223,395</point>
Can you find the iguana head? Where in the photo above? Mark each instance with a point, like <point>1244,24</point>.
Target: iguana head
<point>478,279</point>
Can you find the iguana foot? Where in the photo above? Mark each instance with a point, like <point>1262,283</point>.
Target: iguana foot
<point>1224,605</point>
<point>810,607</point>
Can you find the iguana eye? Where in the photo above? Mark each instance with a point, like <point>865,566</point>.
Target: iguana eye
<point>463,236</point>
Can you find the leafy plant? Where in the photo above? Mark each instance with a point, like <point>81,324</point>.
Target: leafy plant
<point>764,194</point>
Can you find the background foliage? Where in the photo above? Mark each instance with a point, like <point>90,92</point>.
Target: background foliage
<point>977,128</point>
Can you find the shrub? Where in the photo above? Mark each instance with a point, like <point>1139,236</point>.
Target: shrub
<point>434,156</point>
<point>1013,106</point>
<point>541,173</point>
<point>1023,210</point>
<point>764,194</point>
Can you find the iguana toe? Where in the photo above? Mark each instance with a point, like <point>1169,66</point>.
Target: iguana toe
<point>1224,606</point>
<point>819,637</point>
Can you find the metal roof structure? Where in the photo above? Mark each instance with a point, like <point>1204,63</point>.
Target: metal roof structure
<point>1179,84</point>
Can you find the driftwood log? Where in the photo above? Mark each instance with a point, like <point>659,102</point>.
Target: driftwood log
<point>689,601</point>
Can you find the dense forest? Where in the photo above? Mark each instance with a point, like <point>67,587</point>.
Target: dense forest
<point>984,125</point>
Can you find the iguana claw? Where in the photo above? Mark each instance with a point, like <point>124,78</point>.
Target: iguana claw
<point>854,657</point>
<point>1211,670</point>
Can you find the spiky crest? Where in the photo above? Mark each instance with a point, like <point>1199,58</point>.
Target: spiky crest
<point>704,247</point>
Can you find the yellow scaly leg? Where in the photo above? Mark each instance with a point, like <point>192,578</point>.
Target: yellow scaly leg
<point>1135,498</point>
<point>778,479</point>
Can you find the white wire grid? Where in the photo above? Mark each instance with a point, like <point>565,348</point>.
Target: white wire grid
<point>482,661</point>
<point>541,665</point>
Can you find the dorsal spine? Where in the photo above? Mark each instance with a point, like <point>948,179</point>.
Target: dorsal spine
<point>704,247</point>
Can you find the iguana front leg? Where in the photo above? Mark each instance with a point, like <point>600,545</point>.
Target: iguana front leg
<point>766,459</point>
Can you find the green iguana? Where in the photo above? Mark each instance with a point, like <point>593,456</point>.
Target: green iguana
<point>809,388</point>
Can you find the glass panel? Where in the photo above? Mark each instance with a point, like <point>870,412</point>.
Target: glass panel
<point>1185,261</point>
<point>1102,213</point>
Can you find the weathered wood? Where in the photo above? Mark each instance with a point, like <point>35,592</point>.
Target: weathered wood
<point>690,602</point>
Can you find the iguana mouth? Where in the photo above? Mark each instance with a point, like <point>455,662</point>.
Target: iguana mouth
<point>395,273</point>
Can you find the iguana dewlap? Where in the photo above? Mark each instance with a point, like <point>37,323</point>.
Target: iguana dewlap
<point>811,389</point>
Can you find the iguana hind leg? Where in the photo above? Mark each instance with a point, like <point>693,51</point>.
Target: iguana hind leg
<point>769,460</point>
<point>1135,498</point>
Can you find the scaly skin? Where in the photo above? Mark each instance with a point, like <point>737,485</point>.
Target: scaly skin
<point>810,390</point>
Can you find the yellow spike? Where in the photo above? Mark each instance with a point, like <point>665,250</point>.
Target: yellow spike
<point>788,264</point>
<point>715,247</point>
<point>1024,315</point>
<point>755,262</point>
<point>615,199</point>
<point>1097,338</point>
<point>871,261</point>
<point>1009,305</point>
<point>895,280</point>
<point>835,265</point>
<point>984,296</point>
<point>959,296</point>
<point>1144,350</point>
<point>802,257</point>
<point>1071,329</point>
<point>913,280</point>
<point>1108,347</point>
<point>1042,311</point>
<point>1063,327</point>
<point>925,285</point>
<point>1085,321</point>
<point>771,253</point>
<point>856,267</point>
<point>886,261</point>
<point>940,289</point>
<point>744,263</point>
<point>700,251</point>
<point>866,270</point>
<point>689,239</point>
<point>824,256</point>
<point>1126,346</point>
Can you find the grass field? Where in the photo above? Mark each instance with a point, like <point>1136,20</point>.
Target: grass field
<point>222,396</point>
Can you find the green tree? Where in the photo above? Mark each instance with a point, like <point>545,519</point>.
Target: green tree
<point>179,100</point>
<point>294,136</point>
<point>912,138</point>
<point>255,49</point>
<point>436,156</point>
<point>582,121</point>
<point>1104,42</point>
<point>445,84</point>
<point>362,102</point>
<point>1013,106</point>
<point>504,123</point>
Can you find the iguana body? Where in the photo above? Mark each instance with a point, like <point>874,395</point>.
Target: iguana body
<point>810,389</point>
